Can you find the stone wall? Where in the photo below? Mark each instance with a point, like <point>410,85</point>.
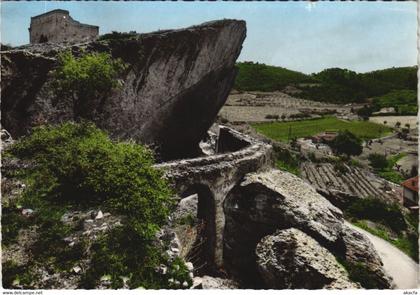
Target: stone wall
<point>58,26</point>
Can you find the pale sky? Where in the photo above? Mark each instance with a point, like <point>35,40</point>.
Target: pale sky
<point>301,36</point>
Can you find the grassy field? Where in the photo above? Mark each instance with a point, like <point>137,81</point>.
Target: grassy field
<point>280,130</point>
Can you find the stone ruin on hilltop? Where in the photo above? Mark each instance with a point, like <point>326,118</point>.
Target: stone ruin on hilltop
<point>58,26</point>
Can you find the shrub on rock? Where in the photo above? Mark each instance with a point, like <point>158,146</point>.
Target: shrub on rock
<point>77,167</point>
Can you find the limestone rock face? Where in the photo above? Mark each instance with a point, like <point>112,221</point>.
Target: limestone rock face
<point>175,84</point>
<point>265,202</point>
<point>290,259</point>
<point>284,199</point>
<point>274,200</point>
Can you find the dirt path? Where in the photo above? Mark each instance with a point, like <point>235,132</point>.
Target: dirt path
<point>397,264</point>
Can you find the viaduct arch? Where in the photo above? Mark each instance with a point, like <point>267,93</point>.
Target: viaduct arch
<point>213,177</point>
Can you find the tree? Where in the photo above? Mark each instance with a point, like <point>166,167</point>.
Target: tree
<point>398,124</point>
<point>407,125</point>
<point>347,143</point>
<point>385,122</point>
<point>405,132</point>
<point>378,161</point>
<point>364,112</point>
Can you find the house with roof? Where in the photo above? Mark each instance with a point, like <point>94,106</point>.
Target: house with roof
<point>411,193</point>
<point>324,137</point>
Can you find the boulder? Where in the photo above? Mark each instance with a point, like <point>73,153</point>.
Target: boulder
<point>265,202</point>
<point>290,259</point>
<point>284,200</point>
<point>359,250</point>
<point>186,207</point>
<point>268,201</point>
<point>174,86</point>
<point>6,139</point>
<point>207,282</point>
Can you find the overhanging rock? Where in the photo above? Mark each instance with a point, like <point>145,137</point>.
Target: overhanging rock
<point>175,84</point>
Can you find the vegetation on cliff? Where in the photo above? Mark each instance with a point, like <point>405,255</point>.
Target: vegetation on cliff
<point>76,167</point>
<point>93,75</point>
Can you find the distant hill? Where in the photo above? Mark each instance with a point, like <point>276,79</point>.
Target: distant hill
<point>342,85</point>
<point>330,85</point>
<point>261,77</point>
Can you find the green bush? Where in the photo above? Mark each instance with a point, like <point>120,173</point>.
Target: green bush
<point>76,166</point>
<point>384,166</point>
<point>275,117</point>
<point>114,35</point>
<point>347,143</point>
<point>378,211</point>
<point>365,112</point>
<point>340,167</point>
<point>87,77</point>
<point>378,161</point>
<point>392,176</point>
<point>286,161</point>
<point>122,253</point>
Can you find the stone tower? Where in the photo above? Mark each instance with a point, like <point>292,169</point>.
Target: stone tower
<point>58,26</point>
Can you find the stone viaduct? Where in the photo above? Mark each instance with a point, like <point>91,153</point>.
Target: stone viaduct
<point>213,177</point>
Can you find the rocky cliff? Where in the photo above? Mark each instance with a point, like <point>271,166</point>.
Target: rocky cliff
<point>175,84</point>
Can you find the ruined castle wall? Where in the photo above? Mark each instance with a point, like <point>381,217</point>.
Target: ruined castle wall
<point>58,26</point>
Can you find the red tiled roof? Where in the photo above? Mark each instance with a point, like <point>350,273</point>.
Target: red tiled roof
<point>412,184</point>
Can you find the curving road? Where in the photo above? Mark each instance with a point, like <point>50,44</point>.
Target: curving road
<point>403,269</point>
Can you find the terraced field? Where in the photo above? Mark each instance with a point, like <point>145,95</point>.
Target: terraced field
<point>256,106</point>
<point>355,182</point>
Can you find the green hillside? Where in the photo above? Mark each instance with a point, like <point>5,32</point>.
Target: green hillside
<point>342,85</point>
<point>261,77</point>
<point>330,85</point>
<point>397,78</point>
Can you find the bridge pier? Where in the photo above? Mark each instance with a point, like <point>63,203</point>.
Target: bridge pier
<point>220,227</point>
